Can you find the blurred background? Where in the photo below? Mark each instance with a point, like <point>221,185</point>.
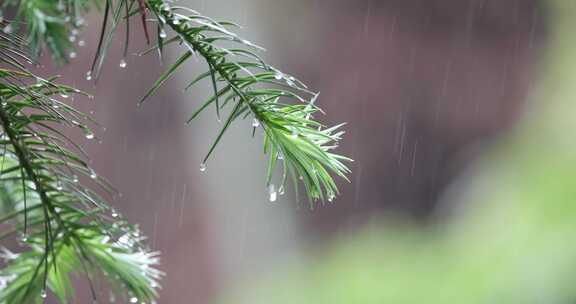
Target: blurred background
<point>452,196</point>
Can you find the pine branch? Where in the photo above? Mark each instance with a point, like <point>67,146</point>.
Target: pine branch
<point>66,227</point>
<point>278,103</point>
<point>65,224</point>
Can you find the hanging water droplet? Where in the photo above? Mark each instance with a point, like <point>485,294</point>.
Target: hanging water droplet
<point>64,95</point>
<point>89,135</point>
<point>114,214</point>
<point>176,20</point>
<point>75,179</point>
<point>79,21</point>
<point>43,294</point>
<point>123,63</point>
<point>255,123</point>
<point>8,29</point>
<point>89,75</point>
<point>93,174</point>
<point>133,300</point>
<point>162,33</point>
<point>72,38</point>
<point>280,156</point>
<point>24,238</point>
<point>272,192</point>
<point>72,55</point>
<point>331,197</point>
<point>59,186</point>
<point>81,43</point>
<point>165,7</point>
<point>281,191</point>
<point>203,167</point>
<point>112,298</point>
<point>294,133</point>
<point>278,76</point>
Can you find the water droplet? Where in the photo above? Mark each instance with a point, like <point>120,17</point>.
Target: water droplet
<point>89,75</point>
<point>278,76</point>
<point>89,135</point>
<point>93,174</point>
<point>24,238</point>
<point>72,38</point>
<point>162,33</point>
<point>133,300</point>
<point>75,179</point>
<point>255,123</point>
<point>294,133</point>
<point>165,7</point>
<point>331,197</point>
<point>59,186</point>
<point>272,192</point>
<point>81,43</point>
<point>114,214</point>
<point>280,156</point>
<point>203,167</point>
<point>8,29</point>
<point>43,294</point>
<point>281,191</point>
<point>64,95</point>
<point>112,298</point>
<point>123,63</point>
<point>72,55</point>
<point>79,21</point>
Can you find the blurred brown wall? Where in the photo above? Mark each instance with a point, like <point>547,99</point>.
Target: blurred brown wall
<point>424,85</point>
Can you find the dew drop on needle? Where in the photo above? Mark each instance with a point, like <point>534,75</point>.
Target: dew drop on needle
<point>272,192</point>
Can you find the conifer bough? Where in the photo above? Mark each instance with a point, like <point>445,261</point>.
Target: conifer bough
<point>64,226</point>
